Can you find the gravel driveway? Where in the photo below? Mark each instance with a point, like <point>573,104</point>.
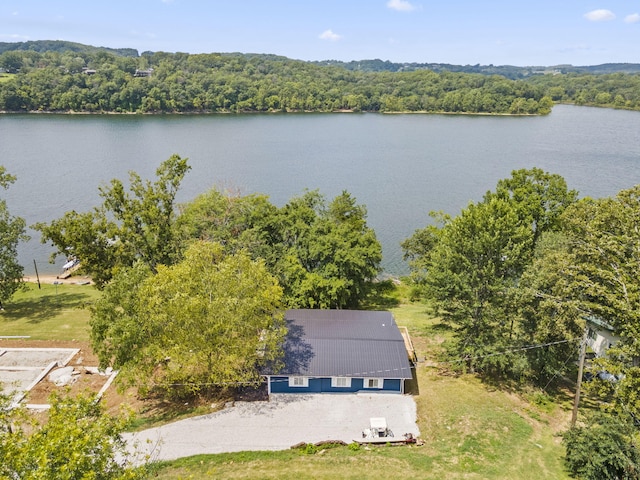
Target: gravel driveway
<point>277,424</point>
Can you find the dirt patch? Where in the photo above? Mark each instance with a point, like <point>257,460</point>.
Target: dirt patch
<point>85,383</point>
<point>154,409</point>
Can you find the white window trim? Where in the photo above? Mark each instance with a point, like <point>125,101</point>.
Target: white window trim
<point>293,382</point>
<point>379,383</point>
<point>336,382</point>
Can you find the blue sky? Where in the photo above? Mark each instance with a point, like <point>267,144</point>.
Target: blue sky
<point>586,32</point>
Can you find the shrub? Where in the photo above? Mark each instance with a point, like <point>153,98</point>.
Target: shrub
<point>604,448</point>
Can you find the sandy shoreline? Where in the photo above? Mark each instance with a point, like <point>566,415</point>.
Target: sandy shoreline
<point>53,279</point>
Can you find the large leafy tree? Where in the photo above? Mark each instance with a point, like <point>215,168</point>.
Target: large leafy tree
<point>12,230</point>
<point>237,222</point>
<point>472,270</point>
<point>324,256</point>
<point>331,255</point>
<point>79,440</point>
<point>538,197</point>
<point>116,332</point>
<point>207,322</point>
<point>549,309</point>
<point>129,226</point>
<point>605,244</point>
<point>471,266</point>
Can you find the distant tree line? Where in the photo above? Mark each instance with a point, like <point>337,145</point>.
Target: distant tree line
<point>69,77</point>
<point>613,90</point>
<point>101,81</point>
<point>510,71</point>
<point>62,46</point>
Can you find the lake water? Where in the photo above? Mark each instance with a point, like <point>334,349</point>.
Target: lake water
<point>399,166</point>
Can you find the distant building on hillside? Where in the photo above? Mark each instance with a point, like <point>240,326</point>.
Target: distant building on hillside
<point>143,73</point>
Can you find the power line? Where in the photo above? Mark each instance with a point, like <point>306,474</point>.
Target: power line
<point>370,374</point>
<point>558,371</point>
<point>506,352</point>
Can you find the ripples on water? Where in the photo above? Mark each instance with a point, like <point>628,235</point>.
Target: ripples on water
<point>399,166</point>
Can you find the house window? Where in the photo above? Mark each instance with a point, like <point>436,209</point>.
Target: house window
<point>298,381</point>
<point>373,382</point>
<point>341,382</point>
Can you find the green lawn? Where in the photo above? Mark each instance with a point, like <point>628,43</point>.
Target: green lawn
<point>54,312</point>
<point>471,431</point>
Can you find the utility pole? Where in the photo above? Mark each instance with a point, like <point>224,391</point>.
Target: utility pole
<point>37,276</point>
<point>583,352</point>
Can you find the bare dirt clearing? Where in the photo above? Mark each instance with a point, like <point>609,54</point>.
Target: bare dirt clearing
<point>16,364</point>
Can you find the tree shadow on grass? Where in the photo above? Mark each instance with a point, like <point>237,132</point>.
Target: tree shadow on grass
<point>381,296</point>
<point>45,307</point>
<point>441,327</point>
<point>559,391</point>
<point>412,387</point>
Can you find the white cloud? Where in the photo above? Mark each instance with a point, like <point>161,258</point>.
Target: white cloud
<point>601,15</point>
<point>633,18</point>
<point>14,37</point>
<point>329,35</point>
<point>400,5</point>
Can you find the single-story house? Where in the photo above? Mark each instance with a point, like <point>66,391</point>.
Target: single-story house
<point>341,351</point>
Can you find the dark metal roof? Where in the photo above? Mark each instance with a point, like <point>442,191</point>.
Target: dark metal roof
<point>344,343</point>
<point>600,322</point>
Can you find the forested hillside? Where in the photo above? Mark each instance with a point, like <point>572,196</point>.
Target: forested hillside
<point>62,46</point>
<point>510,71</point>
<point>67,77</point>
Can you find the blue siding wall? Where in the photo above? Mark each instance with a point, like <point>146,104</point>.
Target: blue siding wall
<point>392,385</point>
<point>317,385</point>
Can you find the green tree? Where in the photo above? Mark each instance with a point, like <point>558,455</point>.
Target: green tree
<point>545,105</point>
<point>548,310</point>
<point>539,198</point>
<point>12,231</point>
<point>471,266</point>
<point>127,227</point>
<point>79,440</point>
<point>331,257</point>
<point>323,256</point>
<point>472,269</point>
<point>604,448</point>
<point>418,248</point>
<point>605,244</point>
<point>116,333</point>
<point>237,222</point>
<point>11,61</point>
<point>207,322</point>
